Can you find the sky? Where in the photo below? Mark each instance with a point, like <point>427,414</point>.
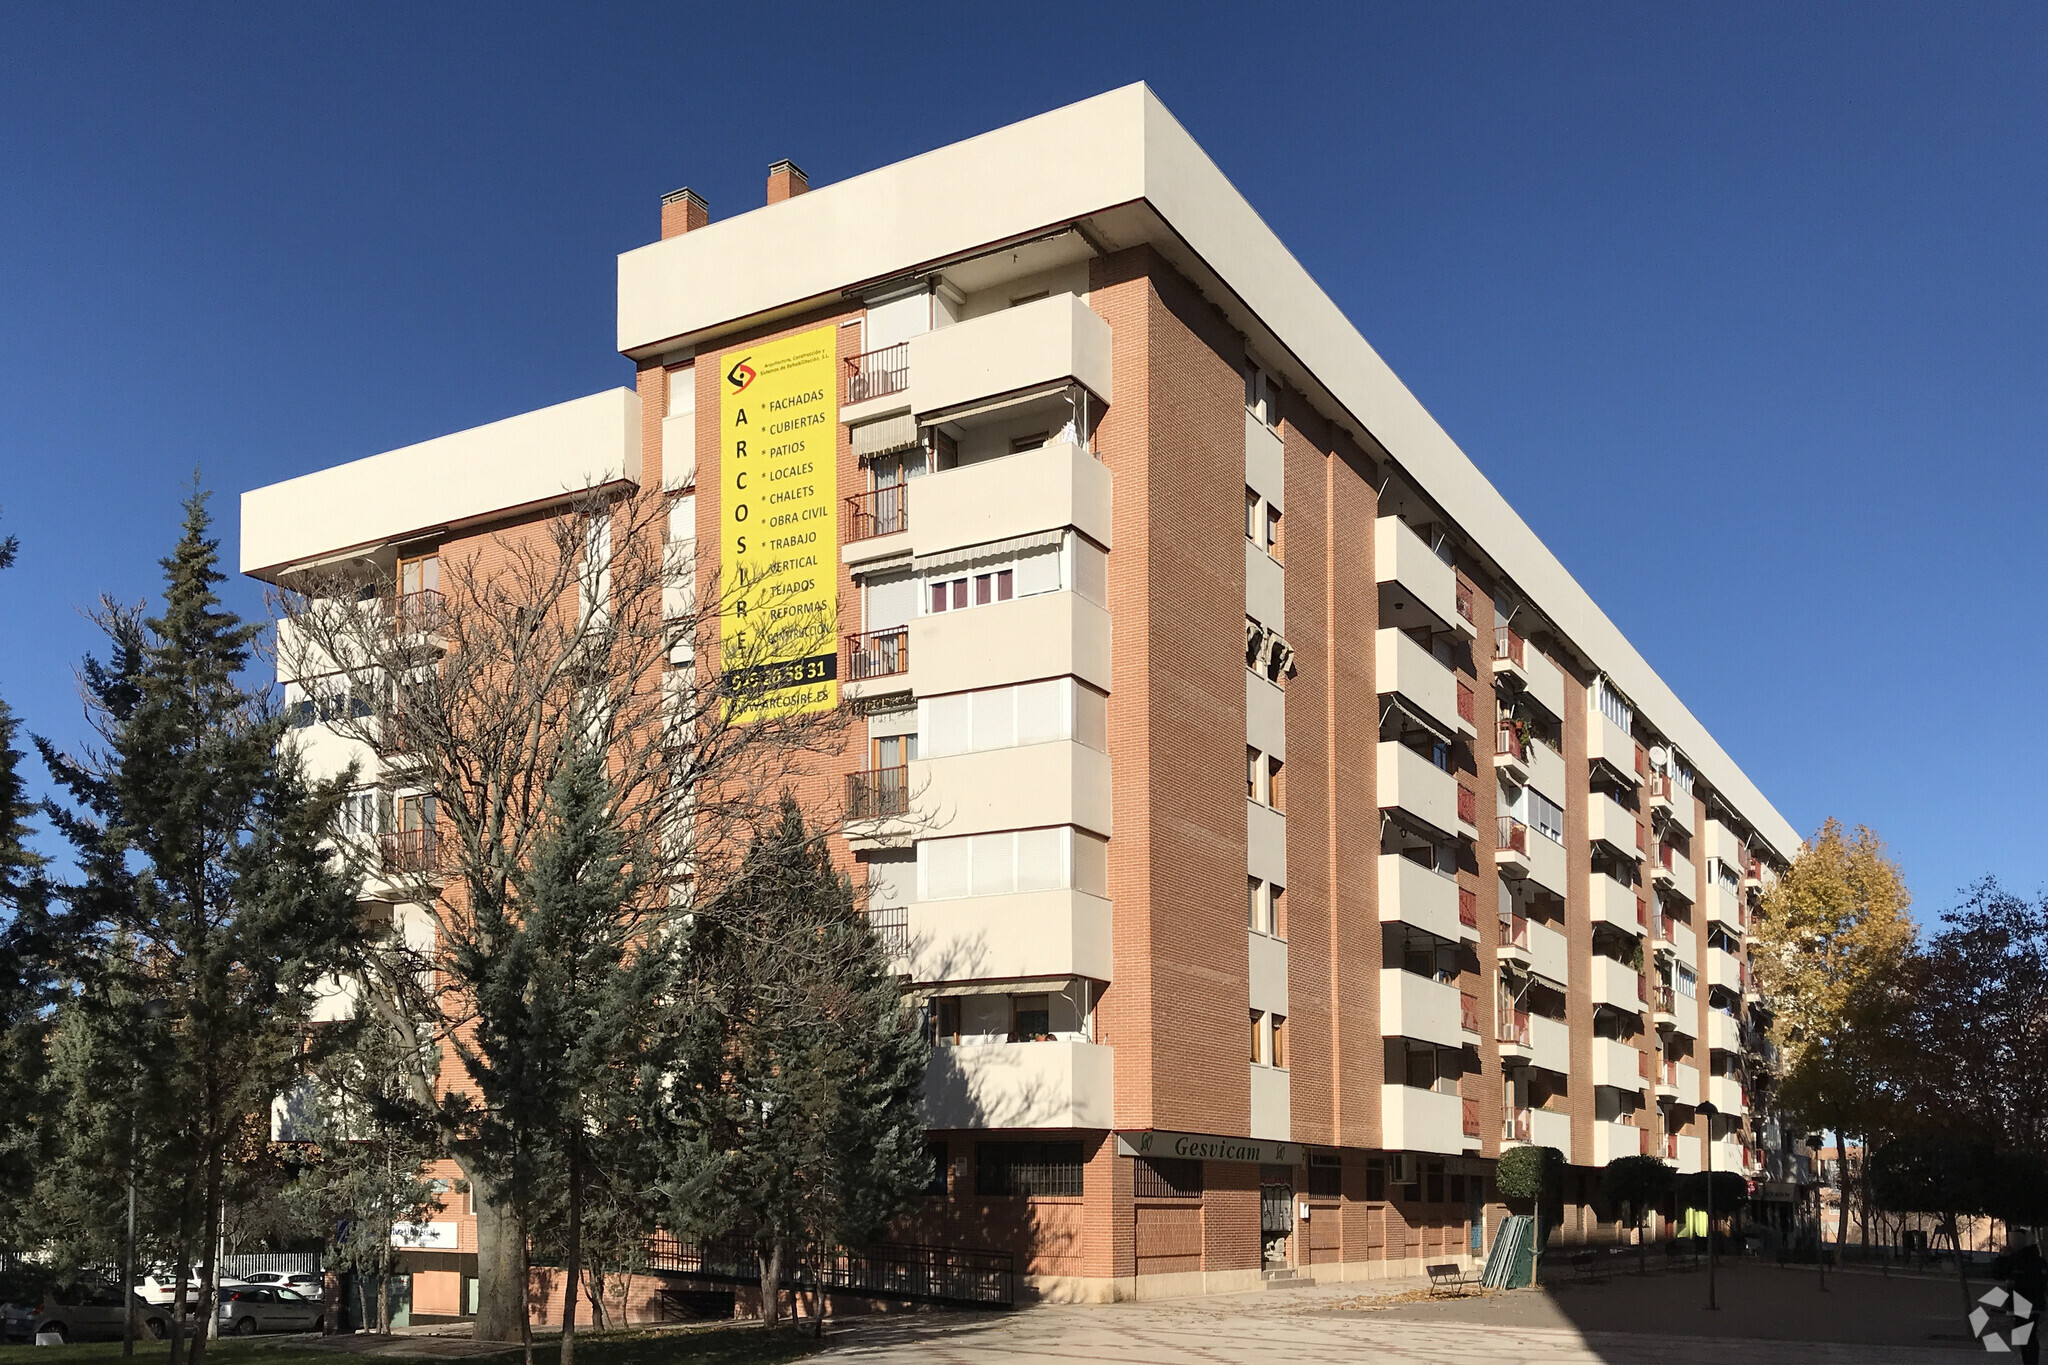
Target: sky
<point>1744,308</point>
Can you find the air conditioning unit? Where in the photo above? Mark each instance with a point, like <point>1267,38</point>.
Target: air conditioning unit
<point>1401,1168</point>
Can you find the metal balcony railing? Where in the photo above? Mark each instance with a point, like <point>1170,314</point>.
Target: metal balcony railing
<point>1666,1001</point>
<point>1513,835</point>
<point>420,612</point>
<point>1507,645</point>
<point>878,512</point>
<point>878,654</point>
<point>891,925</point>
<point>877,792</point>
<point>1514,930</point>
<point>409,850</point>
<point>878,373</point>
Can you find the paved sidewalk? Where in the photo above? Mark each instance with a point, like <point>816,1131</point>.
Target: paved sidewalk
<point>1328,1325</point>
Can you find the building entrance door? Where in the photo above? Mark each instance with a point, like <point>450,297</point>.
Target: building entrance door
<point>1276,1212</point>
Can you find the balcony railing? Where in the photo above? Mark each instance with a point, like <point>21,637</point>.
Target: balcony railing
<point>1468,907</point>
<point>1465,599</point>
<point>1661,930</point>
<point>409,850</point>
<point>1468,806</point>
<point>878,373</point>
<point>1513,835</point>
<point>891,924</point>
<point>1468,1011</point>
<point>1507,645</point>
<point>1467,704</point>
<point>1508,740</point>
<point>878,512</point>
<point>877,792</point>
<point>878,654</point>
<point>1471,1108</point>
<point>1514,931</point>
<point>1516,1126</point>
<point>420,612</point>
<point>1513,1027</point>
<point>1671,1144</point>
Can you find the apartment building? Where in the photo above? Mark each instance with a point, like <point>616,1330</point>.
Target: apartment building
<point>1497,879</point>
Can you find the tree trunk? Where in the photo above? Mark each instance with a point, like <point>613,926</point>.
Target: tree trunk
<point>500,1261</point>
<point>771,1284</point>
<point>1842,1207</point>
<point>525,1308</point>
<point>574,1287</point>
<point>1955,1237</point>
<point>209,1267</point>
<point>179,1345</point>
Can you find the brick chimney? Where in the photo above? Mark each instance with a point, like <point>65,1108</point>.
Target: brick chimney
<point>682,210</point>
<point>786,180</point>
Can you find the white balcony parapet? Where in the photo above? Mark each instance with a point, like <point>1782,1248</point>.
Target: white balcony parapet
<point>1411,783</point>
<point>1419,896</point>
<point>1024,935</point>
<point>1414,1120</point>
<point>1020,1085</point>
<point>1723,970</point>
<point>1401,559</point>
<point>1548,957</point>
<point>1550,1044</point>
<point>1617,905</point>
<point>1551,1128</point>
<point>1613,824</point>
<point>1407,668</point>
<point>1042,636</point>
<point>1608,743</point>
<point>1724,1034</point>
<point>1015,350</point>
<point>1616,984</point>
<point>1413,1006</point>
<point>1617,1064</point>
<point>1611,1140</point>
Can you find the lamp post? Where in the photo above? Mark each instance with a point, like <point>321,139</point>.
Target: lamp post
<point>1708,1112</point>
<point>1820,1251</point>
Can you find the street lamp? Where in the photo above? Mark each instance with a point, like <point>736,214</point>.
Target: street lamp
<point>1708,1112</point>
<point>1820,1251</point>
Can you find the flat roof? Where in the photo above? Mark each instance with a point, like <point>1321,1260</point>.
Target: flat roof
<point>1103,154</point>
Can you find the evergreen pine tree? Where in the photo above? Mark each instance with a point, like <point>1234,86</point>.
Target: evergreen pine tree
<point>217,909</point>
<point>799,1072</point>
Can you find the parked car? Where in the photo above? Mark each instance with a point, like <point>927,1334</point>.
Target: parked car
<point>306,1282</point>
<point>251,1308</point>
<point>90,1310</point>
<point>157,1288</point>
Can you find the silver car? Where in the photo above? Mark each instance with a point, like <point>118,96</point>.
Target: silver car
<point>90,1310</point>
<point>251,1308</point>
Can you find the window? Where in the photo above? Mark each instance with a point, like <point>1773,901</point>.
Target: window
<point>1433,1183</point>
<point>956,594</point>
<point>1003,575</point>
<point>1263,905</point>
<point>1279,1047</point>
<point>1375,1180</point>
<point>1421,1068</point>
<point>892,751</point>
<point>1261,523</point>
<point>1262,778</point>
<point>1054,859</point>
<point>1613,706</point>
<point>1028,1170</point>
<point>1546,816</point>
<point>1325,1175</point>
<point>1034,1018</point>
<point>359,814</point>
<point>1166,1178</point>
<point>420,573</point>
<point>945,1019</point>
<point>682,391</point>
<point>1688,983</point>
<point>1005,717</point>
<point>1261,394</point>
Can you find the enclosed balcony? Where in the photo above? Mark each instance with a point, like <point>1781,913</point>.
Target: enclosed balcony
<point>1613,825</point>
<point>1409,671</point>
<point>1020,1085</point>
<point>1047,488</point>
<point>1429,1011</point>
<point>1416,1120</point>
<point>1417,589</point>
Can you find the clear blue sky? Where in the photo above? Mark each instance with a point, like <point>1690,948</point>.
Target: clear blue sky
<point>1745,310</point>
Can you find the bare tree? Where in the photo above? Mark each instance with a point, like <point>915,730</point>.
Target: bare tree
<point>465,695</point>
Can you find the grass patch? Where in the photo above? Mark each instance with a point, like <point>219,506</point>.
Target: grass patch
<point>717,1344</point>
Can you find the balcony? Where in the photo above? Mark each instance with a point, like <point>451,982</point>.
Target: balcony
<point>1032,347</point>
<point>1670,802</point>
<point>1468,1015</point>
<point>878,373</point>
<point>891,927</point>
<point>1547,863</point>
<point>1611,1140</point>
<point>1511,753</point>
<point>1413,785</point>
<point>1724,1033</point>
<point>1682,1080</point>
<point>1674,874</point>
<point>1610,823</point>
<point>878,793</point>
<point>1683,1151</point>
<point>1042,636</point>
<point>1413,1006</point>
<point>1417,589</point>
<point>1724,908</point>
<point>1028,786</point>
<point>1550,1042</point>
<point>1514,940</point>
<point>1551,1128</point>
<point>1618,906</point>
<point>1617,984</point>
<point>1547,956</point>
<point>1411,671</point>
<point>1511,1032</point>
<point>1508,656</point>
<point>1724,970</point>
<point>1546,771</point>
<point>1618,1065</point>
<point>1684,1016</point>
<point>1728,1095</point>
<point>1020,1085</point>
<point>1609,744</point>
<point>1015,937</point>
<point>878,656</point>
<point>1729,1155</point>
<point>1511,847</point>
<point>1413,1120</point>
<point>877,522</point>
<point>409,851</point>
<point>1418,896</point>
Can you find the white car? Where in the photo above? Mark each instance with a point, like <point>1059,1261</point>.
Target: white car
<point>307,1282</point>
<point>158,1290</point>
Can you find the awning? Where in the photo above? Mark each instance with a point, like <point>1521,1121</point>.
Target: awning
<point>995,549</point>
<point>884,435</point>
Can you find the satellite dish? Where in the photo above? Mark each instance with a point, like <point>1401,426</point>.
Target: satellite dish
<point>1660,756</point>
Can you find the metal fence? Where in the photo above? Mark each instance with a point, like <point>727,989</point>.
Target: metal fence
<point>930,1274</point>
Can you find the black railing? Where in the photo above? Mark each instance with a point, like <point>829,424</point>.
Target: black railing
<point>929,1274</point>
<point>878,373</point>
<point>877,792</point>
<point>891,924</point>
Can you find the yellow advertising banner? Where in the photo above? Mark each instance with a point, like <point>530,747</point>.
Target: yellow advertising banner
<point>778,449</point>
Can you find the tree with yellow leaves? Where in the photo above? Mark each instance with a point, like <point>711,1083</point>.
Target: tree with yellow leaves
<point>1834,952</point>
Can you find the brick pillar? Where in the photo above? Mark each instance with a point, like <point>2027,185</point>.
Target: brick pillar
<point>681,211</point>
<point>786,180</point>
